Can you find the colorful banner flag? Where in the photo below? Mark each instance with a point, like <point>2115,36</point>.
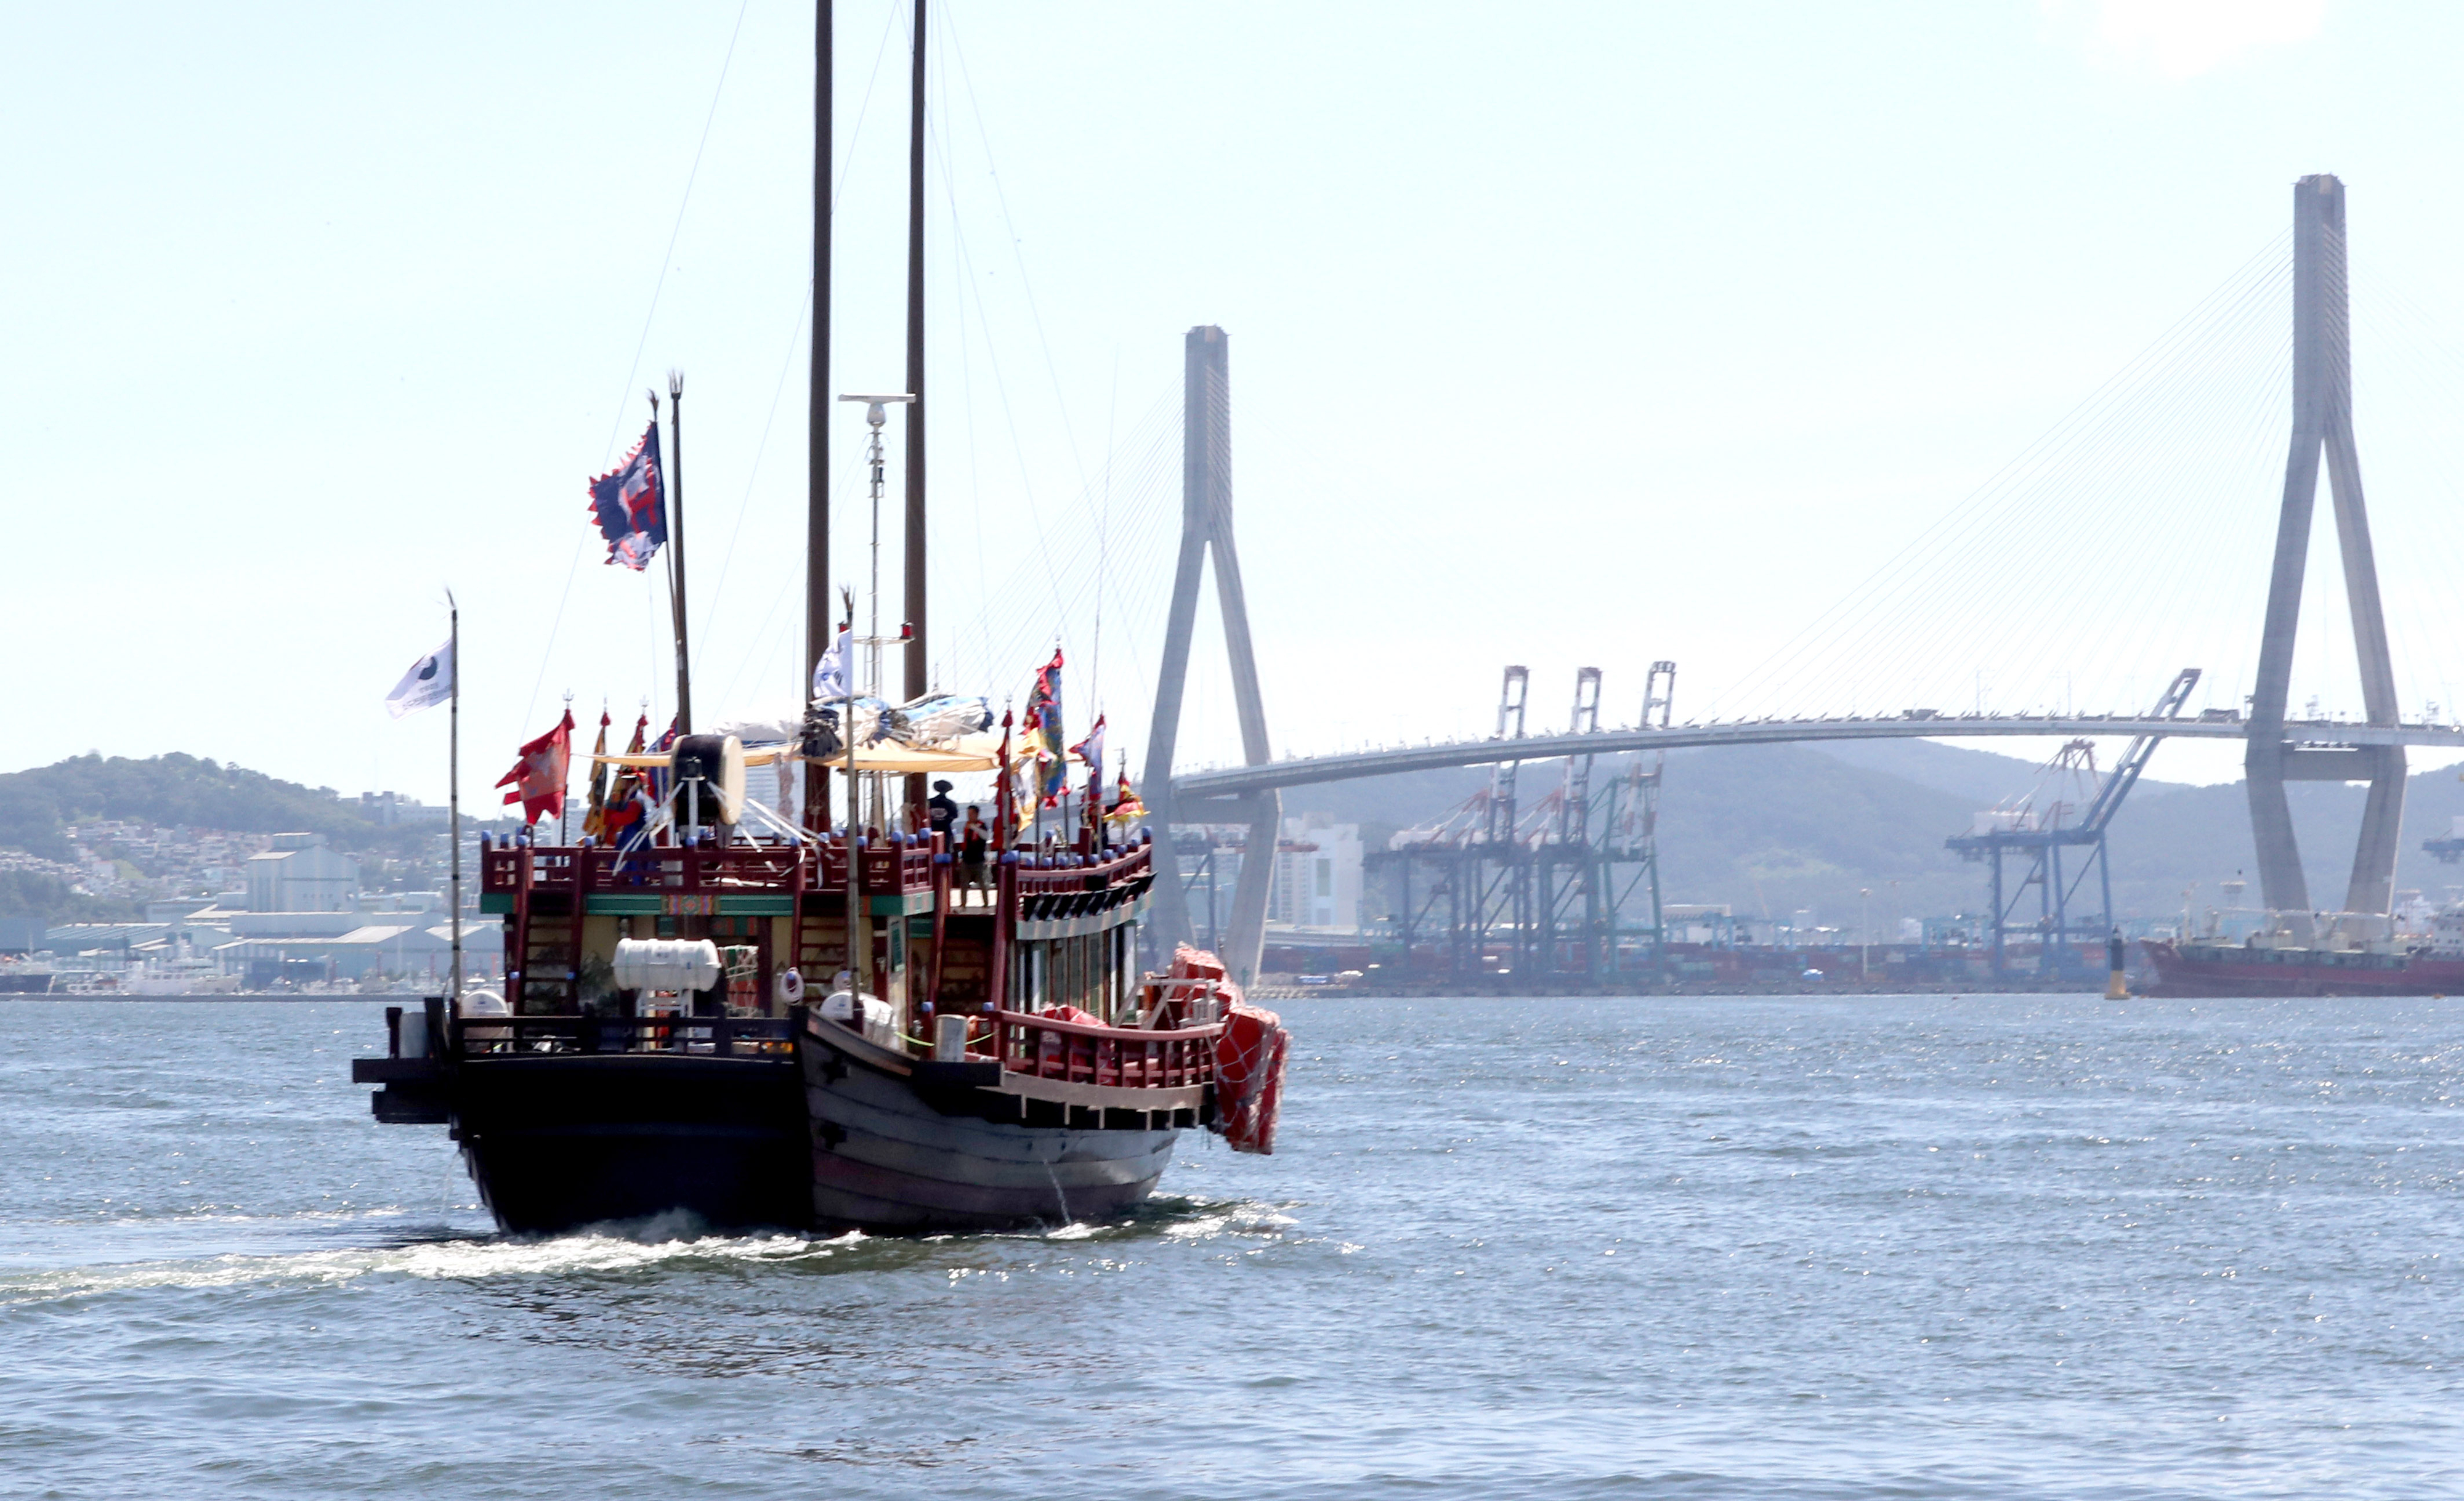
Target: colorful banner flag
<point>630,504</point>
<point>1125,808</point>
<point>1044,725</point>
<point>538,778</point>
<point>595,822</point>
<point>625,802</point>
<point>430,682</point>
<point>1004,822</point>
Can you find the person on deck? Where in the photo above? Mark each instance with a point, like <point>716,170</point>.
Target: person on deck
<point>942,813</point>
<point>973,845</point>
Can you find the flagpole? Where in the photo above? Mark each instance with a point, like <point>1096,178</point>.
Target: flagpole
<point>859,922</point>
<point>676,486</point>
<point>560,799</point>
<point>453,788</point>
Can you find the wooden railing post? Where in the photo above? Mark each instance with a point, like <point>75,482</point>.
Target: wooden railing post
<point>1004,903</point>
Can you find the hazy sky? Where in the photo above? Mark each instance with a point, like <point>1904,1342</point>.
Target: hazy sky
<point>1567,335</point>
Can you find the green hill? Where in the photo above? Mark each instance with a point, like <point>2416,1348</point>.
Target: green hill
<point>176,790</point>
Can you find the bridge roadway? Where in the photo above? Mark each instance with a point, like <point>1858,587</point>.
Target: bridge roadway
<point>1241,781</point>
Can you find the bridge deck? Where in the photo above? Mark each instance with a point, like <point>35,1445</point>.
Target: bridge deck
<point>1232,781</point>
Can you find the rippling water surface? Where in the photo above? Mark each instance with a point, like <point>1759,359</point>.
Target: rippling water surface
<point>1899,1247</point>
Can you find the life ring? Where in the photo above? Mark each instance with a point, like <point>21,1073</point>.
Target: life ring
<point>790,987</point>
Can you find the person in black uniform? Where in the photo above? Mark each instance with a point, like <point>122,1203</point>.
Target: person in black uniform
<point>942,813</point>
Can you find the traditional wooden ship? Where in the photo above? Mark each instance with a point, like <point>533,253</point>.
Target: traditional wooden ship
<point>990,1055</point>
<point>1014,1068</point>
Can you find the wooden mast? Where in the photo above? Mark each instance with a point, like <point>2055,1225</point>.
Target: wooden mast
<point>817,412</point>
<point>675,484</point>
<point>917,681</point>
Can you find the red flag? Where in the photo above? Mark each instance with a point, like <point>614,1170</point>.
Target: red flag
<point>538,778</point>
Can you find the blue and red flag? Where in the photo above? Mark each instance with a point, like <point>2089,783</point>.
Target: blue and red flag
<point>656,778</point>
<point>630,504</point>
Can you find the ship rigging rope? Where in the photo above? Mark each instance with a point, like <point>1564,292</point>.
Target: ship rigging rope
<point>650,317</point>
<point>1021,610</point>
<point>800,332</point>
<point>2061,558</point>
<point>667,256</point>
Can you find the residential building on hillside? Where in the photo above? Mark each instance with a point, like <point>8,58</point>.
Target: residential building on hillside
<point>385,809</point>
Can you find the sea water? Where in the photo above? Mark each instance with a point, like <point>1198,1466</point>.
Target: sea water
<point>2017,1246</point>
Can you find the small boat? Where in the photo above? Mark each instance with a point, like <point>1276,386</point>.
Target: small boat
<point>990,1058</point>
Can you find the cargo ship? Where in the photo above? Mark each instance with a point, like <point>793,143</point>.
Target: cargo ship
<point>2344,953</point>
<point>979,1050</point>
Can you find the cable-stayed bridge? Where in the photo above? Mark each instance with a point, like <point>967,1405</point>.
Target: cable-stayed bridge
<point>2279,747</point>
<point>1192,791</point>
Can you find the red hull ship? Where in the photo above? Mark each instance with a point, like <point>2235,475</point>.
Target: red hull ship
<point>2197,968</point>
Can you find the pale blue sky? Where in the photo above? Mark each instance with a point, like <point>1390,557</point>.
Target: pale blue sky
<point>1559,335</point>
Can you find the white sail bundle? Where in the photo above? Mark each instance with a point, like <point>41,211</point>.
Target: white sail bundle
<point>939,719</point>
<point>931,721</point>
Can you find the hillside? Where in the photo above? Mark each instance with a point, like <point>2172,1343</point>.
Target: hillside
<point>37,806</point>
<point>172,790</point>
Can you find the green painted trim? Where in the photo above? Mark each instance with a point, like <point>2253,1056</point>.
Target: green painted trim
<point>896,904</point>
<point>612,906</point>
<point>497,902</point>
<point>749,906</point>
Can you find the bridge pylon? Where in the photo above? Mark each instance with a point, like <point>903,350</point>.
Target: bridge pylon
<point>2323,422</point>
<point>1206,529</point>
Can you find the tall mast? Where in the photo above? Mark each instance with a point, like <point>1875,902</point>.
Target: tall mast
<point>916,682</point>
<point>817,412</point>
<point>676,482</point>
<point>454,787</point>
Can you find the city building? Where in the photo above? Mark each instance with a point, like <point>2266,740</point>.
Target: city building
<point>386,809</point>
<point>1317,876</point>
<point>300,874</point>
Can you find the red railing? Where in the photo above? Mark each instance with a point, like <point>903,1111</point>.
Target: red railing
<point>887,868</point>
<point>763,867</point>
<point>1098,873</point>
<point>1086,1053</point>
<point>725,1036</point>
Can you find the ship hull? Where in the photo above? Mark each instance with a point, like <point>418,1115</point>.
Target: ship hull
<point>2217,970</point>
<point>558,1142</point>
<point>895,1153</point>
<point>842,1136</point>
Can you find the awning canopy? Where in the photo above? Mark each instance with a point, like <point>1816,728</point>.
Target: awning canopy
<point>966,753</point>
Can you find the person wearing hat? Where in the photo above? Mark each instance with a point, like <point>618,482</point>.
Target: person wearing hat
<point>943,812</point>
